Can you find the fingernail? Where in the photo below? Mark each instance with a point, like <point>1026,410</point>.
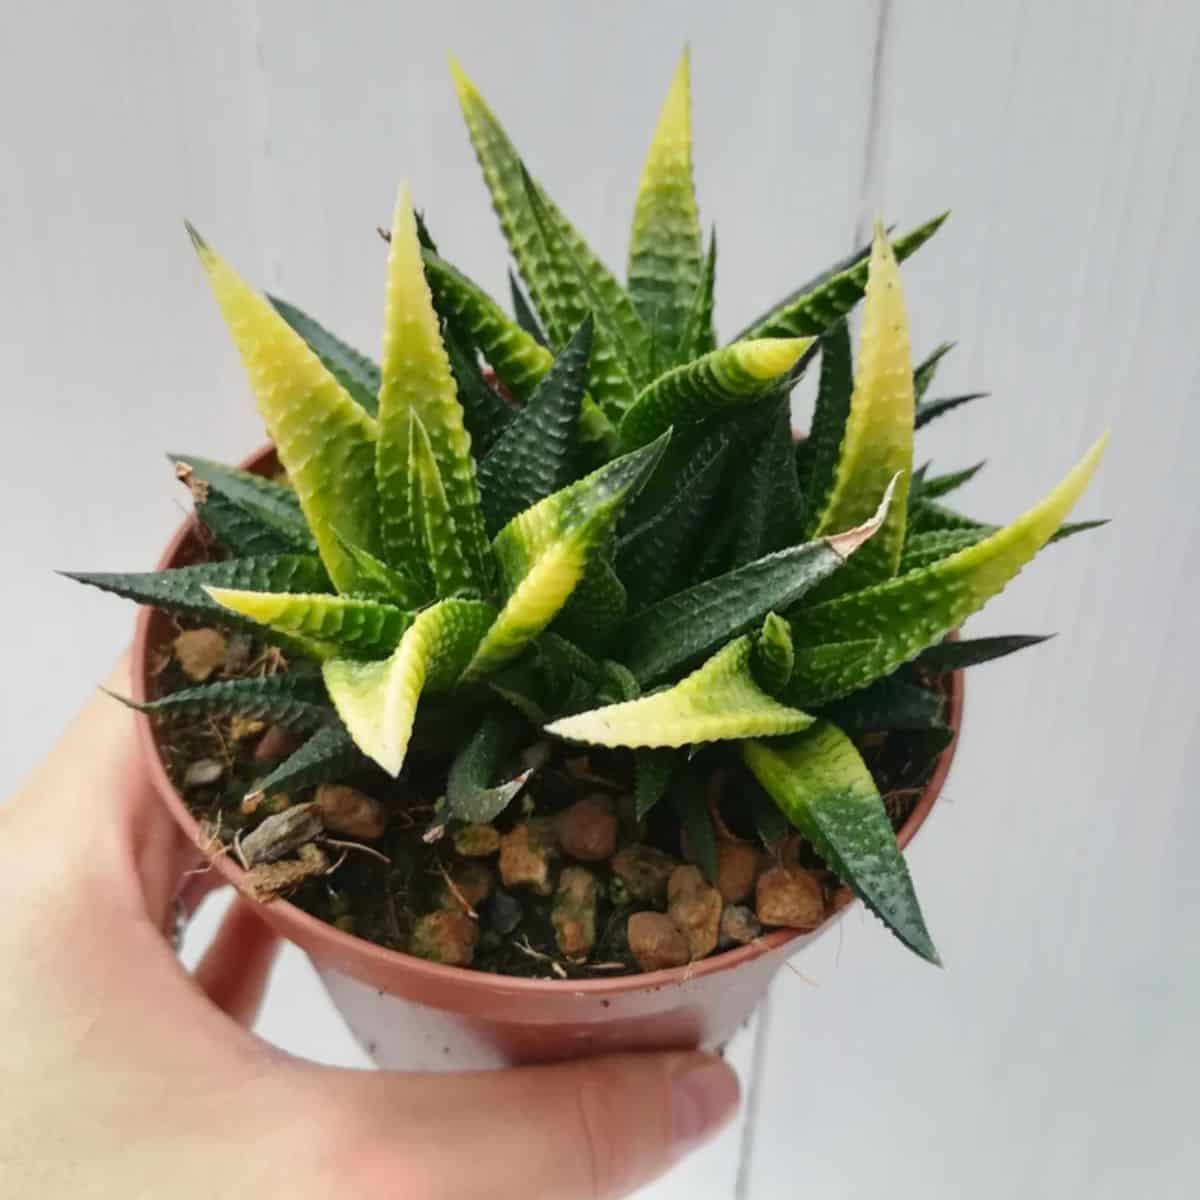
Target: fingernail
<point>704,1095</point>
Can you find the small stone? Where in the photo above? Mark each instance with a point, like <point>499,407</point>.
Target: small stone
<point>237,653</point>
<point>695,907</point>
<point>504,912</point>
<point>200,653</point>
<point>448,936</point>
<point>203,772</point>
<point>644,872</point>
<point>737,867</point>
<point>269,880</point>
<point>656,942</point>
<point>281,834</point>
<point>588,829</point>
<point>574,912</point>
<point>350,813</point>
<point>276,744</point>
<point>525,859</point>
<point>790,896</point>
<point>477,841</point>
<point>738,926</point>
<point>472,885</point>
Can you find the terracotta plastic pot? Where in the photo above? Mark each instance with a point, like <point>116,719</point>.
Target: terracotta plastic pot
<point>413,1014</point>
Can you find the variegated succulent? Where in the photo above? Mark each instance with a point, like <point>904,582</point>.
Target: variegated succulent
<point>591,521</point>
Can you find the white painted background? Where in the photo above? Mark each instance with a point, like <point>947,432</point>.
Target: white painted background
<point>1056,1055</point>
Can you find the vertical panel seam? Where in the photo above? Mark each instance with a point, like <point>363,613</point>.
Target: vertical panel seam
<point>874,143</point>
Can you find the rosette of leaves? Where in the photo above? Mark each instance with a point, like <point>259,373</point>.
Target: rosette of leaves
<point>592,521</point>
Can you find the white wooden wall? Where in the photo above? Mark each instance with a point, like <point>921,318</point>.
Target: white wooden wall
<point>1056,1054</point>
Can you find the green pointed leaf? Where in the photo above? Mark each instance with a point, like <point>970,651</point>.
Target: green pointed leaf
<point>325,441</point>
<point>181,589</point>
<point>485,412</point>
<point>930,410</point>
<point>652,771</point>
<point>378,700</point>
<point>526,317</point>
<point>724,380</point>
<point>766,495</point>
<point>956,655</point>
<point>416,382</point>
<point>665,258</point>
<point>236,531</point>
<point>935,486</point>
<point>774,654</point>
<point>819,780</point>
<point>518,359</point>
<point>537,453</point>
<point>877,444</point>
<point>691,808</point>
<point>565,279</point>
<point>327,626</point>
<point>925,370</point>
<point>256,508</point>
<point>677,630</point>
<point>829,300</point>
<point>699,337</point>
<point>1071,528</point>
<point>595,610</point>
<point>330,755</point>
<point>290,699</point>
<point>907,614</point>
<point>887,704</point>
<point>652,556</point>
<point>469,794</point>
<point>924,549</point>
<point>354,371</point>
<point>544,552</point>
<point>379,581</point>
<point>927,516</point>
<point>612,374</point>
<point>769,822</point>
<point>828,428</point>
<point>718,701</point>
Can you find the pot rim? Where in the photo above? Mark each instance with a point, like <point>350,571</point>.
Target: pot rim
<point>368,960</point>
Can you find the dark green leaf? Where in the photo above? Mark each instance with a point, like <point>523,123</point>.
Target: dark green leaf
<point>885,705</point>
<point>469,794</point>
<point>829,420</point>
<point>485,413</point>
<point>526,317</point>
<point>1071,528</point>
<point>923,549</point>
<point>931,487</point>
<point>537,453</point>
<point>930,410</point>
<point>698,334</point>
<point>925,370</point>
<point>955,655</point>
<point>687,798</point>
<point>330,754</point>
<point>290,699</point>
<point>652,774</point>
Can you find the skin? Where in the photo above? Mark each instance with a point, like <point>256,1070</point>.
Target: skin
<point>120,1071</point>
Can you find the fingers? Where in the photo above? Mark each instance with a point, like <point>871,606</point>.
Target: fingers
<point>598,1127</point>
<point>234,970</point>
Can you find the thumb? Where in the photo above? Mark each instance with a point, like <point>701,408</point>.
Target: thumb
<point>599,1127</point>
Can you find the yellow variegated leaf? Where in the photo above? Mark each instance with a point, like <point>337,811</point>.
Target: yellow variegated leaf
<point>416,379</point>
<point>323,438</point>
<point>377,701</point>
<point>719,382</point>
<point>878,441</point>
<point>665,257</point>
<point>436,530</point>
<point>326,626</point>
<point>718,701</point>
<point>543,552</point>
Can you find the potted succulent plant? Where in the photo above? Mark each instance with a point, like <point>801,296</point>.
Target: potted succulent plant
<point>538,680</point>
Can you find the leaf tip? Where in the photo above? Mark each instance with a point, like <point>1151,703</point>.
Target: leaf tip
<point>844,544</point>
<point>199,244</point>
<point>768,358</point>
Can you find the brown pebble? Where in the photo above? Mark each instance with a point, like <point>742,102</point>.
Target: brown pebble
<point>790,896</point>
<point>737,868</point>
<point>588,829</point>
<point>466,885</point>
<point>656,942</point>
<point>281,834</point>
<point>276,744</point>
<point>574,913</point>
<point>525,859</point>
<point>695,906</point>
<point>477,841</point>
<point>738,926</point>
<point>644,872</point>
<point>271,879</point>
<point>241,728</point>
<point>350,813</point>
<point>200,653</point>
<point>202,772</point>
<point>447,936</point>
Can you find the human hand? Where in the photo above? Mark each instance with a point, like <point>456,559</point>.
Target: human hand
<point>123,1076</point>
